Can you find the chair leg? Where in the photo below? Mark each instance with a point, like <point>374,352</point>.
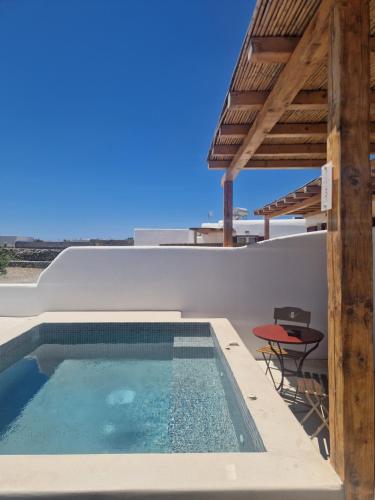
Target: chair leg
<point>318,407</point>
<point>268,361</point>
<point>308,415</point>
<point>323,425</point>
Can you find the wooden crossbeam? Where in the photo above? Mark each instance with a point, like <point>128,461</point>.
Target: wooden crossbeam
<point>279,149</point>
<point>274,50</point>
<point>291,150</point>
<point>301,195</point>
<point>274,149</point>
<point>278,49</point>
<point>305,100</point>
<point>283,130</point>
<point>269,164</point>
<point>305,59</point>
<point>235,130</point>
<point>312,189</point>
<point>253,100</point>
<point>299,130</point>
<point>279,130</point>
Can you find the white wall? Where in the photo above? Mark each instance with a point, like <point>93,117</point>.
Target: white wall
<point>313,220</point>
<point>242,284</point>
<point>151,237</point>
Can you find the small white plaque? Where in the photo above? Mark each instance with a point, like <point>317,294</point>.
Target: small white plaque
<point>326,196</point>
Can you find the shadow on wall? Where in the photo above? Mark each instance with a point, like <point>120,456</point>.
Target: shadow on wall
<point>241,284</point>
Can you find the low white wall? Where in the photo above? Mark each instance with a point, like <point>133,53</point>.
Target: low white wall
<point>150,237</point>
<point>242,284</point>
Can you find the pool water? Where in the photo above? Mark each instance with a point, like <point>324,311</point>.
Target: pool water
<point>167,392</point>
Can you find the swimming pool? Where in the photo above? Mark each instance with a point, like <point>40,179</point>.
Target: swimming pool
<point>92,388</point>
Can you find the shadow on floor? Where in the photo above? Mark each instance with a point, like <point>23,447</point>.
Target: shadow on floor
<point>297,402</point>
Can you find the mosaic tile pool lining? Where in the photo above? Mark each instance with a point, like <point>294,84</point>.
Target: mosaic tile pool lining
<point>121,388</point>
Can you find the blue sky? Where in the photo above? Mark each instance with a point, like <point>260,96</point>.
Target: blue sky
<point>108,108</point>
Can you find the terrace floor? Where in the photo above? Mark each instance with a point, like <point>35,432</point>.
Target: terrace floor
<point>297,405</point>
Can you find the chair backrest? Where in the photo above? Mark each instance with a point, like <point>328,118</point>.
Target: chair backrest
<point>292,314</point>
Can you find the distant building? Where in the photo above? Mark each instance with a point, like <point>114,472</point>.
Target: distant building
<point>152,237</point>
<point>250,231</point>
<point>10,241</point>
<point>245,232</point>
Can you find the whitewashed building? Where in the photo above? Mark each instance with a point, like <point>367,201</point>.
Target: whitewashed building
<point>246,231</point>
<point>155,237</point>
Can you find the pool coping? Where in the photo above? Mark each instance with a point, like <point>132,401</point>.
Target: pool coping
<point>290,464</point>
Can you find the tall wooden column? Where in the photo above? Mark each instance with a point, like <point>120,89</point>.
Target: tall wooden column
<point>266,227</point>
<point>228,213</point>
<point>349,251</point>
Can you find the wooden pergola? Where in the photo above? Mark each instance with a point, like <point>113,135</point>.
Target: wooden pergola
<point>303,201</point>
<point>301,95</point>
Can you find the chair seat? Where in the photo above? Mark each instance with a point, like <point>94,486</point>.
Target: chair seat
<point>313,386</point>
<point>287,353</point>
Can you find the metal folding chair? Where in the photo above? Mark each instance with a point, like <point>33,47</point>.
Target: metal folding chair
<point>314,387</point>
<point>289,315</point>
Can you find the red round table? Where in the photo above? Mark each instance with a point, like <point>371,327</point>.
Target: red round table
<point>289,334</point>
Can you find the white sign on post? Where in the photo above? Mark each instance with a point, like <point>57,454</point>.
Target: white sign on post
<point>326,196</point>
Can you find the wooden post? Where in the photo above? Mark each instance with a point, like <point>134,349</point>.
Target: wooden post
<point>349,251</point>
<point>228,213</point>
<point>266,227</point>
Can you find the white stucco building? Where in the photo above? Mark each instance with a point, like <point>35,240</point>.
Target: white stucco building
<point>246,231</point>
<point>152,237</point>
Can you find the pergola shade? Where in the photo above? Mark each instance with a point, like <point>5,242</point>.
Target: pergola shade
<point>297,135</point>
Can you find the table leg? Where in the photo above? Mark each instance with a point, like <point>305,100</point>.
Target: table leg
<point>300,364</point>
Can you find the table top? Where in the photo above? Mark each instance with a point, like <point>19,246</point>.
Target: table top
<point>279,333</point>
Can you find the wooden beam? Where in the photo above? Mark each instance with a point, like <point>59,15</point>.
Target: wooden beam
<point>274,149</point>
<point>238,130</point>
<point>291,150</point>
<point>266,227</point>
<point>298,150</point>
<point>218,164</point>
<point>300,195</point>
<point>299,130</point>
<point>278,49</point>
<point>228,214</point>
<point>291,164</point>
<point>306,58</point>
<point>253,100</point>
<point>274,50</point>
<point>312,189</point>
<point>349,252</point>
<point>283,130</point>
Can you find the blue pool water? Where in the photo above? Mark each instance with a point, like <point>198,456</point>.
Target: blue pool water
<point>128,388</point>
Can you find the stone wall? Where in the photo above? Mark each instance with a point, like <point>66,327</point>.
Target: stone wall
<point>32,257</point>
